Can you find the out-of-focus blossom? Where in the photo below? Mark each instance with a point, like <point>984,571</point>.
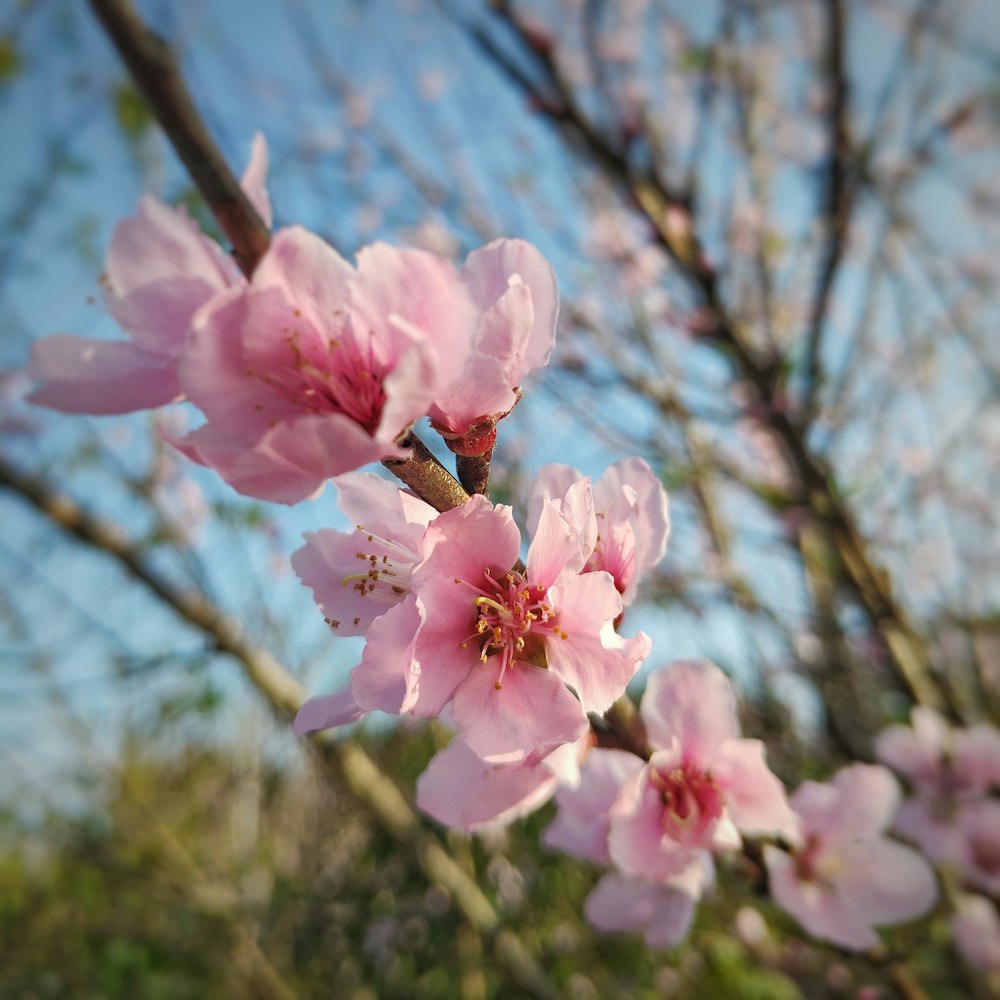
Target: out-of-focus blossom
<point>160,270</point>
<point>976,930</point>
<point>582,823</point>
<point>703,784</point>
<point>661,910</point>
<point>632,513</point>
<point>979,854</point>
<point>947,769</point>
<point>464,792</point>
<point>844,877</point>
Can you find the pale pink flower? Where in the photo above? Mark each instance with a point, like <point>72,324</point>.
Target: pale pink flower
<point>703,784</point>
<point>159,270</point>
<point>516,300</point>
<point>661,910</point>
<point>497,642</point>
<point>632,517</point>
<point>947,769</point>
<point>976,930</point>
<point>844,877</point>
<point>464,792</point>
<point>314,368</point>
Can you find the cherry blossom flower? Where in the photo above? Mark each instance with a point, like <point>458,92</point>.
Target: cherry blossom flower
<point>160,270</point>
<point>947,769</point>
<point>497,642</point>
<point>633,521</point>
<point>314,368</point>
<point>976,930</point>
<point>844,877</point>
<point>514,291</point>
<point>702,785</point>
<point>464,792</point>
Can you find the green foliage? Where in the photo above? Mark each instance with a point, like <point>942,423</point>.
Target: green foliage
<point>189,860</point>
<point>131,111</point>
<point>11,61</point>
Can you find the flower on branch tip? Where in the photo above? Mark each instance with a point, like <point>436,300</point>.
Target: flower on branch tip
<point>703,784</point>
<point>160,269</point>
<point>843,877</point>
<point>516,305</point>
<point>632,519</point>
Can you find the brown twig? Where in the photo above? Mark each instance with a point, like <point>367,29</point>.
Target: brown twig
<point>155,73</point>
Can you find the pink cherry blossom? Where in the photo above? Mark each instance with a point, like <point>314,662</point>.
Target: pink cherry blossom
<point>159,271</point>
<point>633,521</point>
<point>662,910</point>
<point>462,791</point>
<point>844,877</point>
<point>947,769</point>
<point>513,289</point>
<point>497,642</point>
<point>314,368</point>
<point>976,930</point>
<point>702,785</point>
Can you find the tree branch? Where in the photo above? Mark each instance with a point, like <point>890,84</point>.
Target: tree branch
<point>156,75</point>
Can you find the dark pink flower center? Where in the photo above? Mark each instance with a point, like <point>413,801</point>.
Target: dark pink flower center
<point>692,802</point>
<point>337,375</point>
<point>513,620</point>
<point>985,852</point>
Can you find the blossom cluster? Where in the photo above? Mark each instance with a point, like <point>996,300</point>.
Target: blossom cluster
<point>312,368</point>
<point>953,815</point>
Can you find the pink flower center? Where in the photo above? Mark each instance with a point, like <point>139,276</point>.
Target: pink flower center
<point>985,852</point>
<point>692,802</point>
<point>512,621</point>
<point>614,555</point>
<point>335,375</point>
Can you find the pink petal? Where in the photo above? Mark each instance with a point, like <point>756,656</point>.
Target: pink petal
<point>976,755</point>
<point>976,929</point>
<point>915,753</point>
<point>532,713</point>
<point>462,791</point>
<point>818,908</point>
<point>327,563</point>
<point>552,483</point>
<point>755,798</point>
<point>622,903</point>
<point>254,179</point>
<point>557,542</point>
<point>864,801</point>
<point>162,244</point>
<point>82,375</point>
<point>383,507</point>
<point>490,274</point>
<point>387,677</point>
<point>327,712</point>
<point>691,701</point>
<point>885,882</point>
<point>581,825</point>
<point>596,662</point>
